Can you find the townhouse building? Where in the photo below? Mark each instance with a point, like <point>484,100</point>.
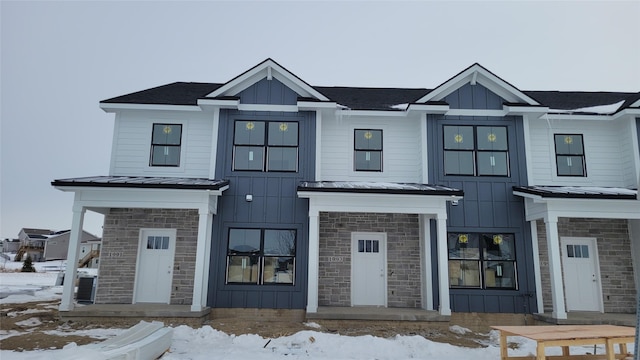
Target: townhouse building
<point>265,192</point>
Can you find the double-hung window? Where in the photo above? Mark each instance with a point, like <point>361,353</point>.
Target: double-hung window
<point>570,155</point>
<point>261,256</point>
<point>476,150</point>
<point>265,146</point>
<point>483,261</point>
<point>367,150</point>
<point>166,140</point>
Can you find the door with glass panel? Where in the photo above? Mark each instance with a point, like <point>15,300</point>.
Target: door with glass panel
<point>368,269</point>
<point>156,252</point>
<point>581,274</point>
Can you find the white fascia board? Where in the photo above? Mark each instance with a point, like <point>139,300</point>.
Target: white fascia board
<point>376,202</point>
<point>476,112</point>
<point>371,113</point>
<point>316,105</point>
<point>636,104</point>
<point>595,208</point>
<point>429,109</point>
<point>267,107</point>
<point>118,107</point>
<point>266,69</point>
<point>522,110</point>
<point>576,117</point>
<point>217,103</point>
<point>527,195</point>
<point>627,112</point>
<point>479,75</point>
<point>100,197</point>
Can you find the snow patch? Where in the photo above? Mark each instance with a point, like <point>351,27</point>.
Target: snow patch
<point>457,329</point>
<point>599,109</point>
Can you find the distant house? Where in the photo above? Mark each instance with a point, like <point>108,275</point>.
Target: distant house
<point>10,245</point>
<point>47,245</point>
<point>265,192</point>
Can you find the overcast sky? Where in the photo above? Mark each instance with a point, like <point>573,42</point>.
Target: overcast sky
<point>59,59</point>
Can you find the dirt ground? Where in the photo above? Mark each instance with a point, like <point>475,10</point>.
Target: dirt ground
<point>31,321</point>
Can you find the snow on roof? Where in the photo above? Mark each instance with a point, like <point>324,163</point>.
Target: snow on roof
<point>599,109</point>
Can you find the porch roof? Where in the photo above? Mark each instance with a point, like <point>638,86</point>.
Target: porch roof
<point>378,188</point>
<point>143,182</point>
<point>577,192</point>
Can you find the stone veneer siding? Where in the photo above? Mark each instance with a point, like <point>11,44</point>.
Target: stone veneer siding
<point>614,250</point>
<point>119,252</point>
<point>403,256</point>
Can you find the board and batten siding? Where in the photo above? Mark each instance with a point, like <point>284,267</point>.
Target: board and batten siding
<point>401,148</point>
<point>132,144</point>
<point>488,205</point>
<point>608,148</point>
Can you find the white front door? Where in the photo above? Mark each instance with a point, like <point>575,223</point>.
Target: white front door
<point>581,274</point>
<point>155,266</point>
<point>368,269</point>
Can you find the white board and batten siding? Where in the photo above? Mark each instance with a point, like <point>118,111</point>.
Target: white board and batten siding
<point>401,155</point>
<point>607,146</point>
<point>132,144</point>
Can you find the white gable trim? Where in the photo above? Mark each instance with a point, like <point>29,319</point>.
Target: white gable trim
<point>268,69</point>
<point>476,74</point>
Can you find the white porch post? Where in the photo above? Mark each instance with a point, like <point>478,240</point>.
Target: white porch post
<point>555,269</point>
<point>314,261</point>
<point>201,276</point>
<point>73,255</point>
<point>536,265</point>
<point>425,256</point>
<point>443,265</point>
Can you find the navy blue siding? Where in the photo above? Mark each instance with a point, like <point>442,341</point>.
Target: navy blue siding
<point>474,97</point>
<point>488,204</point>
<point>275,204</point>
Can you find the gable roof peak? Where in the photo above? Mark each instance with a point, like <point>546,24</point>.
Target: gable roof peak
<point>269,69</point>
<point>476,73</point>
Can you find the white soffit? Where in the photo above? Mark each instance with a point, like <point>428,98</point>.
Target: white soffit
<point>476,74</point>
<point>267,69</point>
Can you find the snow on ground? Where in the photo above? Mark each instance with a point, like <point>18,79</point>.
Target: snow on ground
<point>206,343</point>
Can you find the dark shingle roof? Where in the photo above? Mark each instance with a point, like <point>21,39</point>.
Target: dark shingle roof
<point>579,192</point>
<point>177,93</point>
<point>143,182</point>
<point>359,98</point>
<point>569,100</point>
<point>377,188</point>
<point>371,98</point>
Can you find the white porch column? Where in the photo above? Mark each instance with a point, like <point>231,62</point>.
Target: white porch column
<point>425,263</point>
<point>536,265</point>
<point>73,255</point>
<point>203,246</point>
<point>314,262</point>
<point>443,265</point>
<point>555,269</point>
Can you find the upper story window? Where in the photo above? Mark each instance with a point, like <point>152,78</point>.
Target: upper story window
<point>484,261</point>
<point>476,151</point>
<point>265,146</point>
<point>570,155</point>
<point>367,150</point>
<point>166,141</point>
<point>261,256</point>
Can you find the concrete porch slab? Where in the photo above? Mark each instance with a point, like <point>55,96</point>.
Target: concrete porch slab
<point>375,313</point>
<point>588,318</point>
<point>135,312</point>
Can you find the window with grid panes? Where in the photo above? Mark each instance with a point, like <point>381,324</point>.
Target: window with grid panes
<point>261,256</point>
<point>476,150</point>
<point>482,261</point>
<point>265,146</point>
